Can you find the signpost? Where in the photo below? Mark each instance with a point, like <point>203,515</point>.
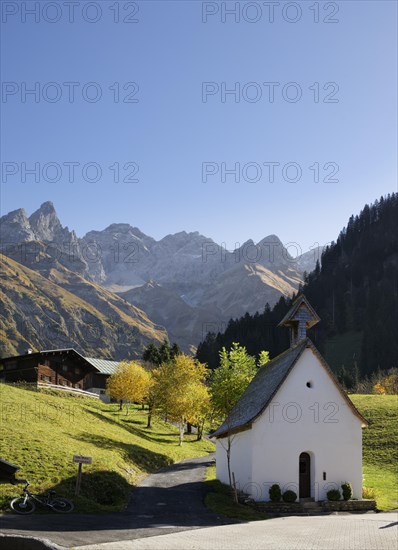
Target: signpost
<point>80,460</point>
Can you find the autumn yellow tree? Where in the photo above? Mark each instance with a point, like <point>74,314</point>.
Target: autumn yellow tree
<point>202,408</point>
<point>130,383</point>
<point>387,384</point>
<point>151,394</point>
<point>180,391</point>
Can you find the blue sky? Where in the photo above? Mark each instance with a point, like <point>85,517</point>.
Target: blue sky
<point>172,130</point>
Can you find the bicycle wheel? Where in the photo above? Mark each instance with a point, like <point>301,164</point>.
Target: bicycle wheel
<point>22,506</point>
<point>62,505</point>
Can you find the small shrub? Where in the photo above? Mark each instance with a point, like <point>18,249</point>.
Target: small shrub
<point>333,494</point>
<point>369,493</point>
<point>289,496</point>
<point>347,490</point>
<point>275,493</point>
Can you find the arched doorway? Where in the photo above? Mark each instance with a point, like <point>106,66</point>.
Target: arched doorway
<point>304,475</point>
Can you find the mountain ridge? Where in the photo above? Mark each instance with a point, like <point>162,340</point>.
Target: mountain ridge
<point>40,312</point>
<point>187,268</point>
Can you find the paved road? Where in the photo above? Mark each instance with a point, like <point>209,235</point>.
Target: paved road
<point>170,500</point>
<point>170,503</point>
<point>335,532</point>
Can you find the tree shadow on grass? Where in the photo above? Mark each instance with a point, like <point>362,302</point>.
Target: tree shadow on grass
<point>117,418</point>
<point>140,432</point>
<point>100,490</point>
<point>145,459</point>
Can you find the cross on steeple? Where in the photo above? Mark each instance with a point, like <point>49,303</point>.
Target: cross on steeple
<point>299,319</point>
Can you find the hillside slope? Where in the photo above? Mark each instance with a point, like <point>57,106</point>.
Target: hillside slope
<point>380,447</point>
<point>41,431</point>
<point>164,306</point>
<point>64,310</point>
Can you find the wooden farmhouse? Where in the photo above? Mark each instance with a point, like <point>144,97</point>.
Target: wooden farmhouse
<point>294,425</point>
<point>61,367</point>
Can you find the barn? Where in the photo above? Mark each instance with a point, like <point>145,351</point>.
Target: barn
<point>61,367</point>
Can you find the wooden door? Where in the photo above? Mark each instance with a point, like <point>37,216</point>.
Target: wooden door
<point>305,475</point>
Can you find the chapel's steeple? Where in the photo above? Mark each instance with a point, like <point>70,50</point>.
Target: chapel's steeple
<point>299,319</point>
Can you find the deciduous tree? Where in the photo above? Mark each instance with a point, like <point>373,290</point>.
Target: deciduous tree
<point>130,383</point>
<point>230,380</point>
<point>180,390</point>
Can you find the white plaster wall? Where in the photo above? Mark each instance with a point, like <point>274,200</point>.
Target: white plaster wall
<point>103,396</point>
<point>315,420</point>
<point>241,459</point>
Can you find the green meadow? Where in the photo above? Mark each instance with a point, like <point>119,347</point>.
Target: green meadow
<point>42,430</point>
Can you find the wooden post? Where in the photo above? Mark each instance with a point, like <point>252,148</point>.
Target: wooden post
<point>79,479</point>
<point>80,460</point>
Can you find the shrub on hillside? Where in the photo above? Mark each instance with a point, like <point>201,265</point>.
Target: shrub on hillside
<point>387,384</point>
<point>369,493</point>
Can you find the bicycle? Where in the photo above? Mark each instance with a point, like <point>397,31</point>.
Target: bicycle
<point>25,503</point>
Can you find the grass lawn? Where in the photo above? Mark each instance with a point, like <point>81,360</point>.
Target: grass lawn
<point>41,431</point>
<point>380,447</point>
<point>219,500</point>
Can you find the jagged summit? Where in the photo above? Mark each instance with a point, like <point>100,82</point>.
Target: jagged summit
<point>47,208</point>
<point>19,213</point>
<point>270,239</point>
<point>123,227</point>
<point>45,223</point>
<point>184,281</point>
<point>15,227</point>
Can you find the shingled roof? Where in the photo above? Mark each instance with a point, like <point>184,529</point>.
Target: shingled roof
<point>301,300</point>
<point>261,390</point>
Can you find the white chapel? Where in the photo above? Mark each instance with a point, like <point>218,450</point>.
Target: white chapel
<point>294,425</point>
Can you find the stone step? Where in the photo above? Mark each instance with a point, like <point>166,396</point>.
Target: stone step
<point>311,505</point>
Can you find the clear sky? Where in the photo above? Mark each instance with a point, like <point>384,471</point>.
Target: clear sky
<point>332,107</point>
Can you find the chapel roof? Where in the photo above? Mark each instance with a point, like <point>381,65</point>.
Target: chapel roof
<point>261,390</point>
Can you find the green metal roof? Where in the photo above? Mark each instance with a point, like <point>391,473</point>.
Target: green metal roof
<point>103,365</point>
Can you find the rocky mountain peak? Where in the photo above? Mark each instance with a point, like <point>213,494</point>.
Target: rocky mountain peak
<point>270,239</point>
<point>15,227</point>
<point>119,227</point>
<point>119,231</point>
<point>45,223</point>
<point>47,208</point>
<point>15,215</point>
